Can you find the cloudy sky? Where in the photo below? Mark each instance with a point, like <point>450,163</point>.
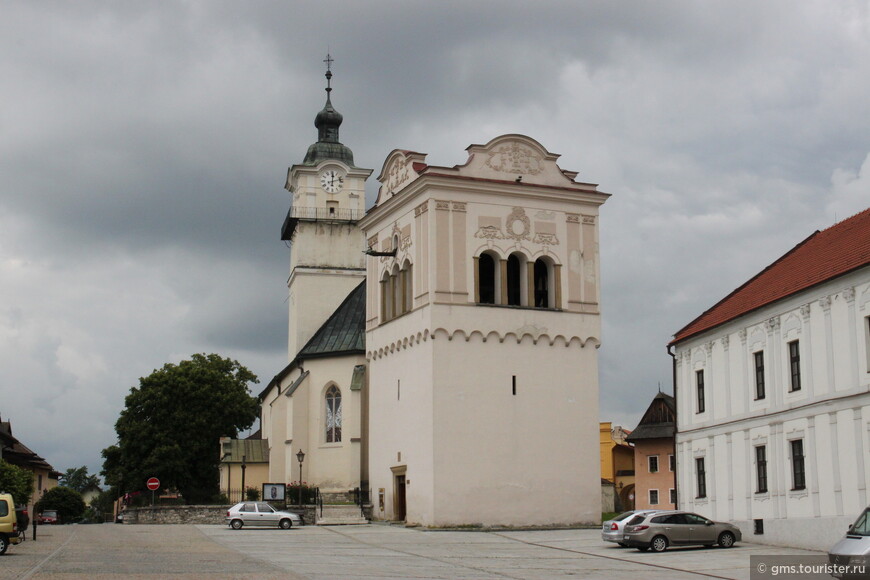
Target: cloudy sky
<point>144,147</point>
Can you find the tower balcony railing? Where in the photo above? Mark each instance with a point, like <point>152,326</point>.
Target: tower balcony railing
<point>326,213</point>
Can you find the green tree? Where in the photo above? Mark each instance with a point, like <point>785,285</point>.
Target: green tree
<point>77,478</point>
<point>17,481</point>
<point>172,422</point>
<point>68,502</point>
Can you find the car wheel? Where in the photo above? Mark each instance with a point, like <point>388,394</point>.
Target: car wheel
<point>659,544</point>
<point>285,524</point>
<point>4,544</point>
<point>726,540</point>
<point>237,524</point>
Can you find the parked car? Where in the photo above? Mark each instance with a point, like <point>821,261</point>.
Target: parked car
<point>659,530</point>
<point>48,517</point>
<point>612,530</point>
<point>9,532</point>
<point>260,513</point>
<point>854,548</point>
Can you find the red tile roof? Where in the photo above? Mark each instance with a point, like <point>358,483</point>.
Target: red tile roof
<point>826,254</point>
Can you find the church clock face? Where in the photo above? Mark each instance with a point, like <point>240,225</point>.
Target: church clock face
<point>331,181</point>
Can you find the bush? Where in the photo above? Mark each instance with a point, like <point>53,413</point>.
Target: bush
<point>308,493</point>
<point>252,494</point>
<point>69,503</point>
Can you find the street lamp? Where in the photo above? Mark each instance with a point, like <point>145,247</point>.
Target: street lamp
<point>244,467</point>
<point>301,457</point>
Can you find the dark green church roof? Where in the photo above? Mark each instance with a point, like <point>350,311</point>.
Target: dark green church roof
<point>343,332</point>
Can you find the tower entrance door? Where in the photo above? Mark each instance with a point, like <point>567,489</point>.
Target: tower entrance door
<point>399,504</point>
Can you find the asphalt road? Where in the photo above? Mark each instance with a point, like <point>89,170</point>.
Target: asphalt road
<point>348,552</point>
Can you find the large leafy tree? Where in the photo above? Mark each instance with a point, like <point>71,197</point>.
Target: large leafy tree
<point>17,481</point>
<point>172,422</point>
<point>77,478</point>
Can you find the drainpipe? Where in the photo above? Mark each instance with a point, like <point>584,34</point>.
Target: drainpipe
<point>676,424</point>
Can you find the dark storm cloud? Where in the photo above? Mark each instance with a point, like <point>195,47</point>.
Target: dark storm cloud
<point>144,147</point>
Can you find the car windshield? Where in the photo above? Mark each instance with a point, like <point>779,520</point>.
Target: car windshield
<point>861,527</point>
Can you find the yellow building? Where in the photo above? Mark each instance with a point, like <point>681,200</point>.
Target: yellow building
<point>244,465</point>
<point>16,453</point>
<point>617,463</point>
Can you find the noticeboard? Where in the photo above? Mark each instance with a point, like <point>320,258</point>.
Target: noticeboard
<point>274,491</point>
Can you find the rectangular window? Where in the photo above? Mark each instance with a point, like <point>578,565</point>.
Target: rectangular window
<point>761,469</point>
<point>759,375</point>
<point>794,357</point>
<point>653,497</point>
<point>653,463</point>
<point>867,340</point>
<point>701,475</point>
<point>673,494</point>
<point>672,463</point>
<point>798,474</point>
<point>699,386</point>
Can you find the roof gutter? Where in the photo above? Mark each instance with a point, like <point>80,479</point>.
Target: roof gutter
<point>676,423</point>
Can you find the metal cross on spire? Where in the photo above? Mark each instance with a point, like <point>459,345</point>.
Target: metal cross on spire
<point>328,60</point>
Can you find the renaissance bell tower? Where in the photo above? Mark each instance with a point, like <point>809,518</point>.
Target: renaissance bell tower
<point>326,245</point>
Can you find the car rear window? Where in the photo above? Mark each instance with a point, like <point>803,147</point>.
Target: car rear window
<point>622,516</point>
<point>635,520</point>
<point>4,508</point>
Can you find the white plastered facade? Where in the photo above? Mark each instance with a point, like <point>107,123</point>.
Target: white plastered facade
<point>483,414</point>
<point>829,415</point>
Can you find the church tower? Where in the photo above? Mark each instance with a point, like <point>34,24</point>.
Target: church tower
<point>482,330</point>
<point>326,259</point>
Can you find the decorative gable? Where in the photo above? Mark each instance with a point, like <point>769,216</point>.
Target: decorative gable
<point>515,157</point>
<point>400,169</point>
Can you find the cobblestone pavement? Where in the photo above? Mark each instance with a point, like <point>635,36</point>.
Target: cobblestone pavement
<point>119,551</point>
<point>356,552</point>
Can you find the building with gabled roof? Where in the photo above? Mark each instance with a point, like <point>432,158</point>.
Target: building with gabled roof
<point>772,386</point>
<point>654,460</point>
<point>17,453</point>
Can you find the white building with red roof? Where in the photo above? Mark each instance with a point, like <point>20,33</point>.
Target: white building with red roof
<point>773,395</point>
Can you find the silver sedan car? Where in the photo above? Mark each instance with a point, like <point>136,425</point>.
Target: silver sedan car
<point>260,513</point>
<point>612,530</point>
<point>659,530</point>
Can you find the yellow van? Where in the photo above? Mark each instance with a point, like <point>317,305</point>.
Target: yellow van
<point>8,522</point>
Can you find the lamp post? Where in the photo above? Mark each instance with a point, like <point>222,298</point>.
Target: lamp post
<point>244,467</point>
<point>301,457</point>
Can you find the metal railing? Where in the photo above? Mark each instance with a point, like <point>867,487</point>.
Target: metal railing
<point>361,498</point>
<point>326,213</point>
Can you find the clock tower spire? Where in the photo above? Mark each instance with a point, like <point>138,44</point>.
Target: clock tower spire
<point>326,245</point>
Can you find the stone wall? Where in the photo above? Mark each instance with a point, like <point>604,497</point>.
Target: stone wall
<point>195,514</point>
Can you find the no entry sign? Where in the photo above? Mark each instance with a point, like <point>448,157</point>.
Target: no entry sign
<point>153,484</point>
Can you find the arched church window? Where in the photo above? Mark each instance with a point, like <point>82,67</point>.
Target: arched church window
<point>543,283</point>
<point>395,293</point>
<point>333,415</point>
<point>407,287</point>
<point>515,267</point>
<point>386,299</point>
<point>487,278</point>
